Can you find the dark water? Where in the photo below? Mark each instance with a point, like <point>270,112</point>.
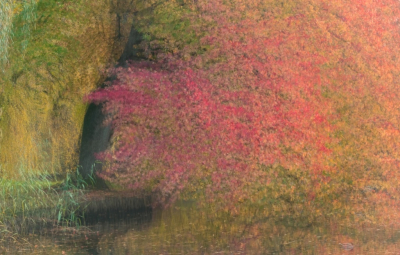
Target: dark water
<point>184,229</point>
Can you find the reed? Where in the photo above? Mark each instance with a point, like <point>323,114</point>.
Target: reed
<point>37,200</point>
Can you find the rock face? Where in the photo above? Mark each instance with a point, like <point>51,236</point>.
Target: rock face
<point>96,134</point>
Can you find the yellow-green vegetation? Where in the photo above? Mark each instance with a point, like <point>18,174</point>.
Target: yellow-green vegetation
<point>48,73</point>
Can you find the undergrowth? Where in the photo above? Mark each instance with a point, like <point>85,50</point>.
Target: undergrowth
<point>40,200</point>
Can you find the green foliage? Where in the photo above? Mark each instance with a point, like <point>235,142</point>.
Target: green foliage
<point>166,27</point>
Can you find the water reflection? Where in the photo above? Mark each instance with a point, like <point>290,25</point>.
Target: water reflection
<point>184,229</point>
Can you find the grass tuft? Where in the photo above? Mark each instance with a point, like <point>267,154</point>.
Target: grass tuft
<point>37,200</point>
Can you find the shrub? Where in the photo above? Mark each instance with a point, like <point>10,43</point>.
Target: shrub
<point>289,101</point>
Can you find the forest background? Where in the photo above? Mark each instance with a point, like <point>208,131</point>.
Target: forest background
<point>286,107</point>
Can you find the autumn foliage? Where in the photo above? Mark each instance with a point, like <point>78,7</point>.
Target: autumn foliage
<point>288,101</point>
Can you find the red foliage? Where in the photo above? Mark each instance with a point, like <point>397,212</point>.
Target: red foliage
<point>271,90</point>
<point>228,119</point>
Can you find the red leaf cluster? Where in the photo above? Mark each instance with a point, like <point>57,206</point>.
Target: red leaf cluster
<point>304,85</point>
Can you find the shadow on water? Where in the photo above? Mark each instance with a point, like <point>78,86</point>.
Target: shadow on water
<point>107,225</point>
<point>184,229</point>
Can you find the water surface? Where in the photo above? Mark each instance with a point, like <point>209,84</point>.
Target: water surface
<point>184,229</point>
